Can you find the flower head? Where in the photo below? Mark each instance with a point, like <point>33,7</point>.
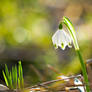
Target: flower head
<point>61,39</point>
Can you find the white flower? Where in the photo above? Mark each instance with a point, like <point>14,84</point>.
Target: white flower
<point>61,39</point>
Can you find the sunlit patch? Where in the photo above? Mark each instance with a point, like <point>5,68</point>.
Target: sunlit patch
<point>20,35</point>
<point>40,28</point>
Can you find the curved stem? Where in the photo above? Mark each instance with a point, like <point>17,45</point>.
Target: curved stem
<point>71,29</point>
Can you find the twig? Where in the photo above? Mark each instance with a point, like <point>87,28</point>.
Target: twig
<point>53,69</point>
<point>52,81</point>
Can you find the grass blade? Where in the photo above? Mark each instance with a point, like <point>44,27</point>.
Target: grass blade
<point>10,79</point>
<point>16,77</point>
<point>19,84</point>
<point>7,74</point>
<point>6,71</point>
<point>13,77</point>
<point>5,78</point>
<point>21,75</point>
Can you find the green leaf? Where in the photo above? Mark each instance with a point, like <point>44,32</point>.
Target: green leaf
<point>7,74</point>
<point>16,77</point>
<point>21,75</point>
<point>19,83</point>
<point>5,78</point>
<point>6,71</point>
<point>10,80</point>
<point>13,77</point>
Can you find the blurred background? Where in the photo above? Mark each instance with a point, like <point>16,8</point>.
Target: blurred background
<point>26,29</point>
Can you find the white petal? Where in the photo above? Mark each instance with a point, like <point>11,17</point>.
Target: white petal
<point>68,39</point>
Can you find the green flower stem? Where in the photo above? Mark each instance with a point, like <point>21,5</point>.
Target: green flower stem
<point>84,71</point>
<point>72,32</point>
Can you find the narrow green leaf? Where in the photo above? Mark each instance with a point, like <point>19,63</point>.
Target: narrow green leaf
<point>16,77</point>
<point>10,79</point>
<point>21,75</point>
<point>5,78</point>
<point>13,77</point>
<point>19,84</point>
<point>6,71</point>
<point>7,74</point>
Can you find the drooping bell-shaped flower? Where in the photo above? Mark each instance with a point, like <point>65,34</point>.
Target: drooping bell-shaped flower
<point>61,39</point>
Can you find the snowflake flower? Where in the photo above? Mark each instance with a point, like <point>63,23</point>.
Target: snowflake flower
<point>61,39</point>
